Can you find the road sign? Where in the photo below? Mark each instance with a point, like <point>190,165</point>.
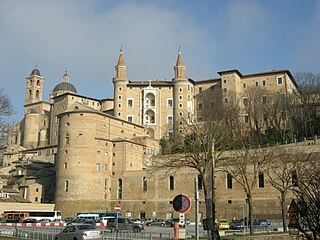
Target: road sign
<point>117,208</point>
<point>181,203</point>
<point>293,207</point>
<point>293,222</point>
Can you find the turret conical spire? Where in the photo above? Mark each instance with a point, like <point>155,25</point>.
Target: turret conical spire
<point>121,60</point>
<point>179,59</point>
<point>121,69</point>
<point>180,69</point>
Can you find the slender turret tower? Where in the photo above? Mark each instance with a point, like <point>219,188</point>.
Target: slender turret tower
<point>180,92</point>
<point>120,82</point>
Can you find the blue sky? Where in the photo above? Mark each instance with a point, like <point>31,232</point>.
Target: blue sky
<point>85,36</point>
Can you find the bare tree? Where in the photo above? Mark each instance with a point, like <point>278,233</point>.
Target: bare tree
<point>283,170</point>
<point>245,166</point>
<point>6,110</point>
<point>306,112</point>
<point>307,193</point>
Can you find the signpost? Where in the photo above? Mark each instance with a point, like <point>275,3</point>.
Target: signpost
<point>181,203</point>
<point>117,208</point>
<point>293,212</point>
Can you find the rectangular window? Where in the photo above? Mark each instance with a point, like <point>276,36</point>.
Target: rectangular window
<point>245,101</point>
<point>130,119</point>
<point>170,119</point>
<point>98,167</point>
<point>264,99</point>
<point>261,180</point>
<point>282,97</point>
<point>229,181</point>
<point>246,118</point>
<point>264,117</point>
<point>170,102</point>
<point>65,165</point>
<point>106,167</point>
<point>263,82</point>
<point>130,102</point>
<point>279,80</point>
<point>200,89</point>
<point>257,84</point>
<point>200,106</point>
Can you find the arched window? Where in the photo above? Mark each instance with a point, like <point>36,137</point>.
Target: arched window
<point>294,178</point>
<point>30,93</point>
<point>261,180</point>
<point>38,82</point>
<point>145,184</point>
<point>66,186</point>
<point>200,182</point>
<point>67,139</point>
<point>37,94</point>
<point>120,188</point>
<point>229,181</point>
<point>171,183</point>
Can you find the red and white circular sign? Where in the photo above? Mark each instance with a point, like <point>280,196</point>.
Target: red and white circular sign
<point>117,208</point>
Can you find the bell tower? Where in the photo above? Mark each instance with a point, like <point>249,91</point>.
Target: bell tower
<point>34,87</point>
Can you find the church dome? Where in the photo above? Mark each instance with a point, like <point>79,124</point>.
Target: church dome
<point>65,87</point>
<point>35,71</point>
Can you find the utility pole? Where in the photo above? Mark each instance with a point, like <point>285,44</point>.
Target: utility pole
<point>211,211</point>
<point>196,198</point>
<point>213,192</point>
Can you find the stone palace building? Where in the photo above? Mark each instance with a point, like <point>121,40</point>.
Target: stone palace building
<point>88,154</point>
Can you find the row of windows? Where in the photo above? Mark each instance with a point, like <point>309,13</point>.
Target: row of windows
<point>279,81</point>
<point>261,183</point>
<point>261,180</point>
<point>264,117</point>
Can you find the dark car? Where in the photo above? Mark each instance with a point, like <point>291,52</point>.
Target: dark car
<point>237,225</point>
<point>263,223</point>
<point>81,231</point>
<point>122,224</point>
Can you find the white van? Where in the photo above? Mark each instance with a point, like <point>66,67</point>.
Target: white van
<point>88,217</point>
<point>105,220</point>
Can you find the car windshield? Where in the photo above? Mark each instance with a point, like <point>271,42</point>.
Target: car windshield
<point>86,227</point>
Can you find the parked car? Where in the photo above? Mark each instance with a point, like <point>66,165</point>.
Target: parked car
<point>157,222</point>
<point>30,220</point>
<point>263,223</point>
<point>120,224</point>
<point>223,224</point>
<point>237,225</point>
<point>80,232</point>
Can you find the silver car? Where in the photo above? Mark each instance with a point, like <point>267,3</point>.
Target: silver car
<point>79,232</point>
